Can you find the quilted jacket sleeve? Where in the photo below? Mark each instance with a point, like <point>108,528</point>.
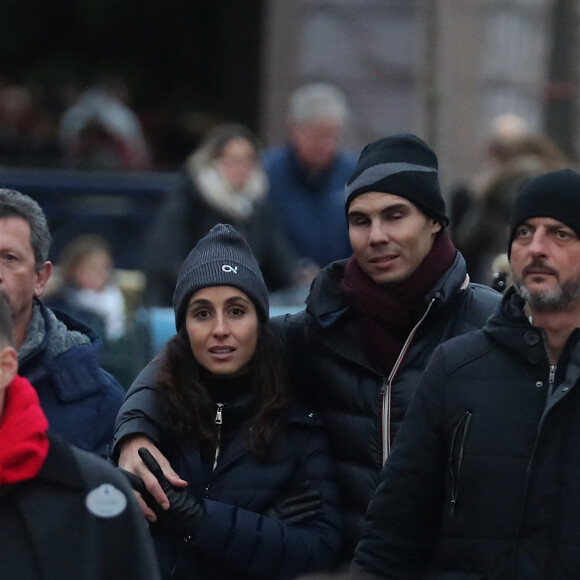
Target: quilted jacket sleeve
<point>142,410</point>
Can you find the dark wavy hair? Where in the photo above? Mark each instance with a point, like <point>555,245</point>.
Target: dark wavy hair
<point>190,409</point>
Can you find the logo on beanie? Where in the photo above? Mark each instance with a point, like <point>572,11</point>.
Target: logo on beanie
<point>229,269</point>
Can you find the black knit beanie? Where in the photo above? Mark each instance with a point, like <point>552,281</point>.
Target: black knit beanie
<point>402,165</point>
<point>554,195</point>
<point>221,258</point>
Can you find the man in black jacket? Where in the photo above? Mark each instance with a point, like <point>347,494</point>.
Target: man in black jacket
<point>484,477</point>
<point>370,324</point>
<point>65,513</point>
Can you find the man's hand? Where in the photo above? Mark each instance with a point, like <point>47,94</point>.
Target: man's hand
<point>129,460</point>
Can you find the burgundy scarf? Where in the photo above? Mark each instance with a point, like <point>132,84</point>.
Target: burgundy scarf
<point>386,316</point>
<point>23,440</point>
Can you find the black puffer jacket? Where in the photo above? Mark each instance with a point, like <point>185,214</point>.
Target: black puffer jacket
<point>361,407</point>
<point>483,481</point>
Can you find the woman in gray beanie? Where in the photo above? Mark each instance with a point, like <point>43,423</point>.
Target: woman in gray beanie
<point>261,499</point>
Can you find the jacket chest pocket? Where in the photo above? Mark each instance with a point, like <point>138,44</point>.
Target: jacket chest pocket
<point>455,460</point>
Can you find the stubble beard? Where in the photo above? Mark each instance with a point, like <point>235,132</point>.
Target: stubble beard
<point>553,300</point>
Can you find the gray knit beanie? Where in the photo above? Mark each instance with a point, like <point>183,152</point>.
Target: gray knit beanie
<point>402,165</point>
<point>221,258</point>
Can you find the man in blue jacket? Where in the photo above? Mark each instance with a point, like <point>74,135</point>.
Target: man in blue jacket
<point>484,477</point>
<point>57,354</point>
<point>308,173</point>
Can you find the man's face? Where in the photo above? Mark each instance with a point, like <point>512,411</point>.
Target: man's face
<point>19,278</point>
<point>545,263</point>
<point>315,143</point>
<point>389,236</point>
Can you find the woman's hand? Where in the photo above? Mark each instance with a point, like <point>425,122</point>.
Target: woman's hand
<point>130,460</point>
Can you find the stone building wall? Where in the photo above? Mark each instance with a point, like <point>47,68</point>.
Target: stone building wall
<point>440,68</point>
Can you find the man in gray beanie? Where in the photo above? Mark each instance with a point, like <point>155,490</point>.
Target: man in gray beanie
<point>484,475</point>
<point>372,321</point>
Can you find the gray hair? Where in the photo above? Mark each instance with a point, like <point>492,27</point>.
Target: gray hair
<point>16,204</point>
<point>317,101</point>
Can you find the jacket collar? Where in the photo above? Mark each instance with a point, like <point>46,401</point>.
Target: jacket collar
<point>53,331</point>
<point>510,326</point>
<point>68,353</point>
<point>327,305</point>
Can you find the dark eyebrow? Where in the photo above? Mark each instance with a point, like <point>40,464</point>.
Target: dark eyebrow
<point>561,226</point>
<point>394,207</point>
<point>237,298</point>
<point>200,302</point>
<point>387,209</point>
<point>553,228</point>
<point>231,300</point>
<point>356,213</point>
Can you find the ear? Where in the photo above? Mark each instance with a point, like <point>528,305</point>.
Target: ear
<point>8,366</point>
<point>436,227</point>
<point>42,277</point>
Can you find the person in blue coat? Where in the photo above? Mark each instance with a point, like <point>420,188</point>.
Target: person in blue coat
<point>57,354</point>
<point>308,173</point>
<point>261,500</point>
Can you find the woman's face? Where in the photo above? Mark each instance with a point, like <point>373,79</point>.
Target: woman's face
<point>237,161</point>
<point>222,326</point>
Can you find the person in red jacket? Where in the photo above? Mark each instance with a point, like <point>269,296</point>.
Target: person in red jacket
<point>65,513</point>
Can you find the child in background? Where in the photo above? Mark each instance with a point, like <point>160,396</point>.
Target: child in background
<point>88,291</point>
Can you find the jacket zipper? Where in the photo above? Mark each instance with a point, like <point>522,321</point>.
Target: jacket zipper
<point>515,551</point>
<point>461,430</point>
<point>218,422</point>
<point>551,379</point>
<point>386,412</point>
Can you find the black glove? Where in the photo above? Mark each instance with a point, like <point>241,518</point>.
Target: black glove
<point>296,509</point>
<point>184,511</point>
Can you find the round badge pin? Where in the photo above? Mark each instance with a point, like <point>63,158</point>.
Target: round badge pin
<point>106,501</point>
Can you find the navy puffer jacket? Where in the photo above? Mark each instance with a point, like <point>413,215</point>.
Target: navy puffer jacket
<point>78,397</point>
<point>235,539</point>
